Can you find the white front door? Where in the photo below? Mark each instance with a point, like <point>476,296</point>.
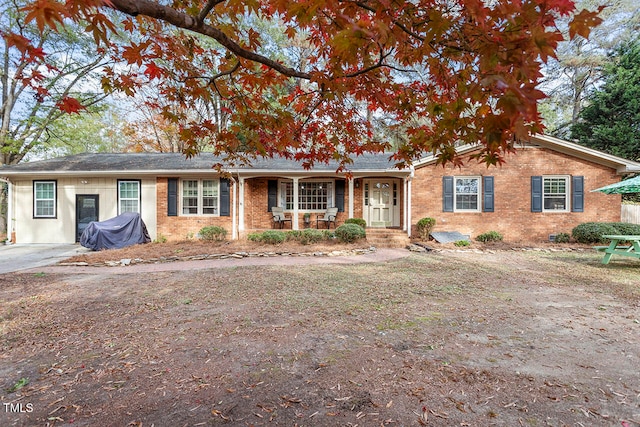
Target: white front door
<point>379,202</point>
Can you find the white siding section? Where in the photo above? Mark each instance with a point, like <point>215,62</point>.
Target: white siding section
<point>62,228</point>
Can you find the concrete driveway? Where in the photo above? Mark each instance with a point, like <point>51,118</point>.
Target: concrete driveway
<point>22,256</point>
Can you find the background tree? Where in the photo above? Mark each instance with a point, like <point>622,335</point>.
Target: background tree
<point>38,88</point>
<point>577,70</point>
<point>98,129</point>
<point>468,68</point>
<point>611,120</point>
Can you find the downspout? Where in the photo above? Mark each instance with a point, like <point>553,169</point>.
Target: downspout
<point>9,222</point>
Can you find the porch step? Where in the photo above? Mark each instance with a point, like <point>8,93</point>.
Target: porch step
<point>387,237</point>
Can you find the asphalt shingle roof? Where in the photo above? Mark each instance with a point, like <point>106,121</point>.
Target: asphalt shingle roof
<point>131,162</point>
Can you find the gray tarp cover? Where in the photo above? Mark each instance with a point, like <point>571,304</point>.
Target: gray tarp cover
<point>124,230</point>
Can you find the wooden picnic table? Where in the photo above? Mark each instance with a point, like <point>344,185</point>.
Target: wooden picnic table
<point>632,250</point>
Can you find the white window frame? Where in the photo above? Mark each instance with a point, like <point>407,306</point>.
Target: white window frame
<point>53,200</point>
<point>478,194</point>
<point>200,197</point>
<point>121,199</point>
<point>285,194</point>
<point>567,195</point>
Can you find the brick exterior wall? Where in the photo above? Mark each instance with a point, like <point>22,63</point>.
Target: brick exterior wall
<point>512,183</point>
<point>512,215</point>
<point>179,228</point>
<point>257,216</point>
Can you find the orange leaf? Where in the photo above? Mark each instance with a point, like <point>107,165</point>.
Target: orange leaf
<point>19,42</point>
<point>46,13</point>
<point>153,71</point>
<point>583,22</point>
<point>70,105</point>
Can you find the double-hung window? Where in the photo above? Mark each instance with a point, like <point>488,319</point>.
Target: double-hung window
<point>200,196</point>
<point>44,199</point>
<point>555,193</point>
<point>312,195</point>
<point>128,196</point>
<point>467,193</point>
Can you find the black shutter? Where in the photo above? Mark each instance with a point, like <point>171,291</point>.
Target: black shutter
<point>488,194</point>
<point>447,194</point>
<point>536,194</point>
<point>272,194</point>
<point>577,190</point>
<point>225,198</point>
<point>172,197</point>
<point>340,195</point>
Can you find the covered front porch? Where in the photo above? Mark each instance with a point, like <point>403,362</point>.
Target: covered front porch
<point>381,199</point>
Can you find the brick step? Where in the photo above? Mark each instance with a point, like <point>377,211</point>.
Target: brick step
<point>389,238</point>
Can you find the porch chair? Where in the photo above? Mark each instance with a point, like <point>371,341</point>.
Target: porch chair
<point>279,219</point>
<point>328,217</point>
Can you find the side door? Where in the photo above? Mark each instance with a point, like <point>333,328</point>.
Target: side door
<point>86,212</point>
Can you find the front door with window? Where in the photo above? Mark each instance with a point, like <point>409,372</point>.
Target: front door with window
<point>86,211</point>
<point>381,203</point>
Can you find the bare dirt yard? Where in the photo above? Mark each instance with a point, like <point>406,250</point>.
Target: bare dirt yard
<point>504,338</point>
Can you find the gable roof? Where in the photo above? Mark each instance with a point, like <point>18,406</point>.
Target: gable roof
<point>170,163</point>
<point>621,165</point>
<point>137,164</point>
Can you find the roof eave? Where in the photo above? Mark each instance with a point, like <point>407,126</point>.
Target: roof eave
<point>622,166</point>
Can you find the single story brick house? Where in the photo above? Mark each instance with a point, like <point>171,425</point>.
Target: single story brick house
<point>544,188</point>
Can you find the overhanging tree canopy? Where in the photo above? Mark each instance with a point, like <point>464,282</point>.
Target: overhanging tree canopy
<point>443,71</point>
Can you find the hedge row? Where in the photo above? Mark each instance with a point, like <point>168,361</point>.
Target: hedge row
<point>592,232</point>
<point>345,233</point>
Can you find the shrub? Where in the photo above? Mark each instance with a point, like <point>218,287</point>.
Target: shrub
<point>460,243</point>
<point>562,238</point>
<point>328,234</point>
<point>213,233</point>
<point>489,236</point>
<point>626,228</point>
<point>254,237</point>
<point>424,227</point>
<point>350,233</point>
<point>273,237</point>
<point>592,232</point>
<point>310,236</point>
<point>293,235</point>
<point>359,221</point>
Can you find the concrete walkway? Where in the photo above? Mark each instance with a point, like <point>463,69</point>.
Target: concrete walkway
<point>21,257</point>
<point>380,255</point>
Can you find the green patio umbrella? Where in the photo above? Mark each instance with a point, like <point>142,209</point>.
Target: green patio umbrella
<point>631,185</point>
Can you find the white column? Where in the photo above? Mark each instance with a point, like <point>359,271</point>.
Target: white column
<point>241,205</point>
<point>234,211</point>
<point>351,197</point>
<point>407,223</point>
<point>294,223</point>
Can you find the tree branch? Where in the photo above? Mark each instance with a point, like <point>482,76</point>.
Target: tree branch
<point>187,22</point>
<point>207,8</point>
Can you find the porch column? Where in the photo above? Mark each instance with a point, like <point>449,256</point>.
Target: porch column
<point>241,205</point>
<point>351,197</point>
<point>407,223</point>
<point>294,222</point>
